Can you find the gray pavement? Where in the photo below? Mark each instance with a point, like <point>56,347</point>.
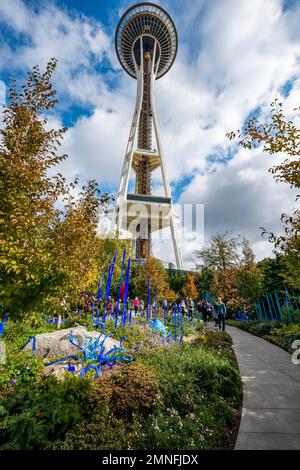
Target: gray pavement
<point>271,403</point>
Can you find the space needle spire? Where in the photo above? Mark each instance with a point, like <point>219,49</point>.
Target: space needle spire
<point>146,44</point>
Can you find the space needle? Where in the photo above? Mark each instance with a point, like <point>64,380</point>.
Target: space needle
<point>146,44</point>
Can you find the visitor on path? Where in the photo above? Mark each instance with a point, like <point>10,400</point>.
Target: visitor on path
<point>214,314</point>
<point>141,308</point>
<point>199,310</point>
<point>183,307</point>
<point>136,305</point>
<point>221,313</point>
<point>191,308</point>
<point>208,310</point>
<point>203,311</point>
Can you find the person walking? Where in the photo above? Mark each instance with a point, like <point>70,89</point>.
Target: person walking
<point>208,310</point>
<point>214,314</point>
<point>204,312</point>
<point>141,308</point>
<point>199,310</point>
<point>220,308</point>
<point>183,307</point>
<point>191,308</point>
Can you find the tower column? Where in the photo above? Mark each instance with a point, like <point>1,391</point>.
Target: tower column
<point>143,172</point>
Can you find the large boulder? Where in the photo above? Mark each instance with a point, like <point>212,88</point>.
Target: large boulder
<point>57,344</point>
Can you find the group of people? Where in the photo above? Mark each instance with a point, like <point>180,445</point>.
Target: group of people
<point>89,303</point>
<point>206,311</point>
<point>215,310</point>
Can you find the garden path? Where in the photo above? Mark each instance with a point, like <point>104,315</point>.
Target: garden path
<point>271,403</point>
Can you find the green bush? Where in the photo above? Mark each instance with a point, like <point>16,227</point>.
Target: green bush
<point>17,333</point>
<point>215,340</point>
<point>284,329</point>
<point>204,428</point>
<point>169,397</point>
<point>288,340</point>
<point>20,368</point>
<point>191,370</point>
<point>117,405</point>
<point>39,414</point>
<point>256,327</point>
<point>130,391</point>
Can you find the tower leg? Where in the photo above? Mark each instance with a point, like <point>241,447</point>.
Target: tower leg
<point>177,251</point>
<point>124,180</point>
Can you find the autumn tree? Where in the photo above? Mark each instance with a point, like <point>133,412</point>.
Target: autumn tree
<point>250,282</point>
<point>27,193</point>
<point>273,271</point>
<point>279,135</point>
<point>45,252</point>
<point>248,256</point>
<point>220,254</point>
<point>230,271</point>
<point>153,269</point>
<point>204,281</point>
<point>250,278</point>
<point>176,281</point>
<point>225,285</point>
<point>76,244</point>
<point>189,289</point>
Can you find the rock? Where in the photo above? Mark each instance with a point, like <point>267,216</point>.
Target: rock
<point>57,370</point>
<point>57,344</point>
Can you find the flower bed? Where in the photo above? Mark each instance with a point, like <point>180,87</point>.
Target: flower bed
<point>172,396</point>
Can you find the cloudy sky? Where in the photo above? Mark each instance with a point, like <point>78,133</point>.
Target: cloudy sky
<point>234,58</point>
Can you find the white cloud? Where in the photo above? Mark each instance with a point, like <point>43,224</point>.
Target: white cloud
<point>79,43</point>
<point>2,93</point>
<point>242,196</point>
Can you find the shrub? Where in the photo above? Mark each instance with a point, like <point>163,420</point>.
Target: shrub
<point>257,327</point>
<point>168,398</point>
<point>117,405</point>
<point>17,333</point>
<point>130,391</point>
<point>102,433</point>
<point>216,340</point>
<point>290,329</point>
<point>288,340</point>
<point>190,371</point>
<point>20,368</point>
<point>37,415</point>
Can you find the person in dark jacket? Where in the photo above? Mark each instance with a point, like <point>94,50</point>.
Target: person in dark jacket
<point>220,308</point>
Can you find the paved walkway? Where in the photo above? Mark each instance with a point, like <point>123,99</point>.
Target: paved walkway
<point>271,404</point>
